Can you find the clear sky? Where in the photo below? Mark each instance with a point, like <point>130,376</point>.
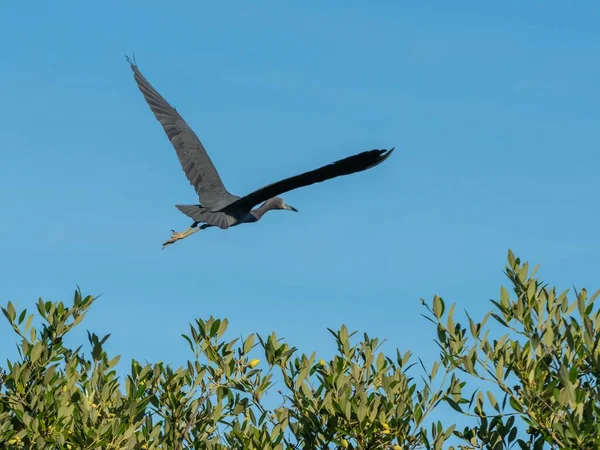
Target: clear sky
<point>493,109</point>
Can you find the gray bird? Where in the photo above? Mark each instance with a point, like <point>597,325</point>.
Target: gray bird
<point>218,207</point>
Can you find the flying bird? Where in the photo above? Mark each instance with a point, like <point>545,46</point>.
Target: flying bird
<point>218,207</point>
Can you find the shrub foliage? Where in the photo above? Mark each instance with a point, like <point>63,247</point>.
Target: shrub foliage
<point>539,359</point>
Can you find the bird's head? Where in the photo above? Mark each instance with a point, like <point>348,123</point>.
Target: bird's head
<point>279,203</point>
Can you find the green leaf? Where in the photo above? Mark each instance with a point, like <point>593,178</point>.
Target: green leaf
<point>448,432</point>
<point>474,327</point>
<point>380,361</point>
<point>28,322</point>
<point>434,370</point>
<point>438,307</point>
<point>361,413</point>
<point>36,351</point>
<point>248,344</point>
<point>454,405</point>
<point>493,401</point>
<point>500,370</point>
<point>515,405</point>
<point>343,334</point>
<point>581,303</point>
<point>222,327</point>
<point>9,312</point>
<point>214,329</point>
<point>511,258</point>
<point>189,341</point>
<point>113,362</point>
<point>504,298</point>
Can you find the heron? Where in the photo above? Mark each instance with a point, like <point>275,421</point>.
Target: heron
<point>217,207</point>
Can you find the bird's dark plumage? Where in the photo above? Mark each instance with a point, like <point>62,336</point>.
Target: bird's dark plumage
<point>194,159</point>
<point>218,206</point>
<point>346,166</point>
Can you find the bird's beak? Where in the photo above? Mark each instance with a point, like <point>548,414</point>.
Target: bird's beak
<point>291,208</point>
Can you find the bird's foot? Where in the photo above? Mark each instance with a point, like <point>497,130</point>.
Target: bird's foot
<point>175,236</point>
<point>178,236</point>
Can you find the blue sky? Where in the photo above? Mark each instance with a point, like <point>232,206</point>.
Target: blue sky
<point>493,109</point>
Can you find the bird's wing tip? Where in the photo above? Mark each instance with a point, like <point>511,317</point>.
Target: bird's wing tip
<point>132,62</point>
<point>386,153</point>
<point>380,156</point>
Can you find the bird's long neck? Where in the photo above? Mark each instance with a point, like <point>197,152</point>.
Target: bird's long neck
<point>261,210</point>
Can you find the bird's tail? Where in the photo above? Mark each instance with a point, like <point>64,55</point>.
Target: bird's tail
<point>205,215</point>
<point>192,211</point>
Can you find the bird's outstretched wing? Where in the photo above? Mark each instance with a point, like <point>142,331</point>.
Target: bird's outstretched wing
<point>352,164</point>
<point>194,159</point>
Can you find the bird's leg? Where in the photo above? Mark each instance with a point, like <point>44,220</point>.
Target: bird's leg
<point>178,236</point>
